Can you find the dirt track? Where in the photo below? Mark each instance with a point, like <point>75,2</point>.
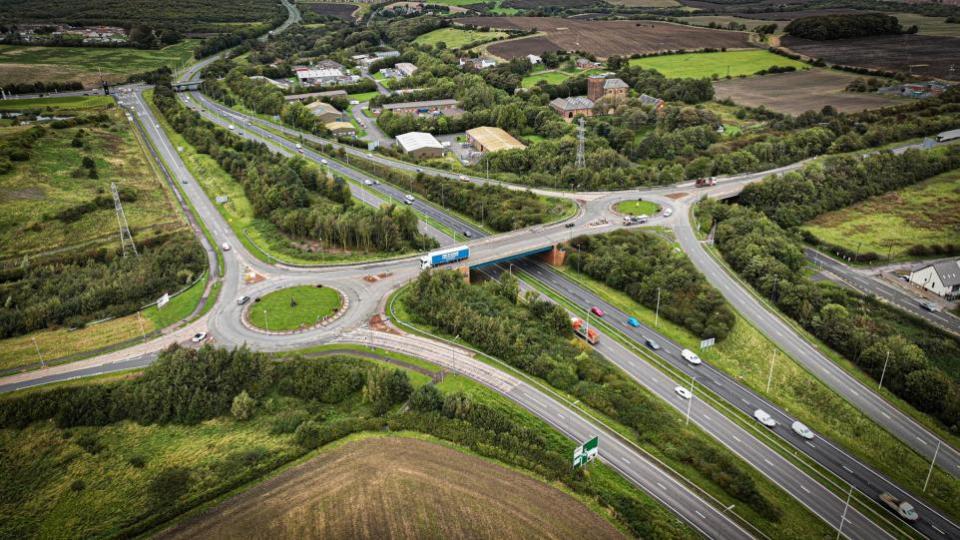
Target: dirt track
<point>397,488</point>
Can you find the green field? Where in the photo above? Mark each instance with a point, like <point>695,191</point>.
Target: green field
<point>929,26</point>
<point>923,214</point>
<point>365,96</point>
<point>67,103</point>
<point>637,208</point>
<point>27,64</point>
<point>293,307</point>
<point>455,38</point>
<point>720,64</point>
<point>723,20</point>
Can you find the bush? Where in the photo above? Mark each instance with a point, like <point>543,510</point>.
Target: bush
<point>426,398</point>
<point>90,443</point>
<point>137,462</point>
<point>308,435</point>
<point>243,406</point>
<point>169,485</point>
<point>78,486</point>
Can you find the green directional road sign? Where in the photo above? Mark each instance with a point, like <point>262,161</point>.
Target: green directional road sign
<point>584,453</point>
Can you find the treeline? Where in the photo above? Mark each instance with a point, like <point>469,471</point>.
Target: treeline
<point>187,386</point>
<point>292,194</point>
<point>41,87</point>
<point>500,208</point>
<point>921,360</point>
<point>534,335</point>
<point>72,293</point>
<point>844,25</point>
<point>646,267</point>
<point>840,181</point>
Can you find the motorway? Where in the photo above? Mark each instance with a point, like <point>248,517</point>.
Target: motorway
<point>876,287</point>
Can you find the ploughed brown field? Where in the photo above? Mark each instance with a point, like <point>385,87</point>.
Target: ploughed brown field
<point>338,10</point>
<point>397,488</point>
<point>800,91</point>
<point>931,56</point>
<point>604,38</point>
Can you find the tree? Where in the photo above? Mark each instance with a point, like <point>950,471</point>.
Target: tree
<point>243,406</point>
<point>426,398</point>
<point>307,434</point>
<point>169,485</point>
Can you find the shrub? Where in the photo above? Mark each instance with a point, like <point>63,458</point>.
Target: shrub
<point>90,443</point>
<point>137,462</point>
<point>170,484</point>
<point>243,406</point>
<point>78,485</point>
<point>308,435</point>
<point>426,398</point>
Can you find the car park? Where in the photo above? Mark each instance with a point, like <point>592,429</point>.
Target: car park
<point>652,344</point>
<point>802,430</point>
<point>691,357</point>
<point>685,393</point>
<point>764,418</point>
<point>632,321</point>
<point>597,311</point>
<point>243,300</point>
<point>198,337</point>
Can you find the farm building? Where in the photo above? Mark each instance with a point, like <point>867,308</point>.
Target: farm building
<point>420,145</point>
<point>436,106</point>
<point>324,112</point>
<point>492,139</point>
<point>599,87</point>
<point>477,63</point>
<point>301,97</point>
<point>405,69</point>
<point>585,63</point>
<point>651,101</point>
<point>569,108</point>
<point>341,129</point>
<point>940,278</point>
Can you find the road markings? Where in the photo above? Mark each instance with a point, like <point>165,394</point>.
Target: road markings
<point>767,461</point>
<point>663,487</point>
<point>737,438</point>
<point>921,440</point>
<point>804,488</point>
<point>847,469</point>
<point>697,512</point>
<point>937,529</point>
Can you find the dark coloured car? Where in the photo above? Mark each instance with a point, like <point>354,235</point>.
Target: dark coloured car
<point>652,344</point>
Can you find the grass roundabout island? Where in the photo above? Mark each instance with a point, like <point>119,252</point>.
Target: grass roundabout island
<point>293,308</point>
<point>636,208</point>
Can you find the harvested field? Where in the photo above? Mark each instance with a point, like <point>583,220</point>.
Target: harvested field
<point>646,3</point>
<point>798,92</point>
<point>605,38</point>
<point>723,20</point>
<point>338,10</point>
<point>791,15</point>
<point>397,488</point>
<point>892,53</point>
<point>535,4</point>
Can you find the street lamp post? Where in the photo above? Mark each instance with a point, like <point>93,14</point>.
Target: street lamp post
<point>932,462</point>
<point>884,372</point>
<point>266,322</point>
<point>42,364</point>
<point>656,321</point>
<point>843,517</point>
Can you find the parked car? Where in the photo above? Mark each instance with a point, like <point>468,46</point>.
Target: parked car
<point>597,311</point>
<point>764,418</point>
<point>225,246</point>
<point>632,321</point>
<point>802,430</point>
<point>691,357</point>
<point>652,344</point>
<point>198,337</point>
<point>243,300</point>
<point>685,393</point>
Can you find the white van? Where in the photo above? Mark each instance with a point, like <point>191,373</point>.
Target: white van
<point>691,357</point>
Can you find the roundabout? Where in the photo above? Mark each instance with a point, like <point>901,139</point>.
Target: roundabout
<point>294,309</point>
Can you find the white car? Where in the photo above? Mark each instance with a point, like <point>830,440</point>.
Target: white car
<point>463,178</point>
<point>369,154</point>
<point>764,418</point>
<point>691,357</point>
<point>230,127</point>
<point>368,182</point>
<point>243,300</point>
<point>225,246</point>
<point>668,212</point>
<point>685,393</point>
<point>198,337</point>
<point>802,430</point>
<point>324,161</point>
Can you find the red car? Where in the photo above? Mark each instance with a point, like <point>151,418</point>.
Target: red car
<point>596,311</point>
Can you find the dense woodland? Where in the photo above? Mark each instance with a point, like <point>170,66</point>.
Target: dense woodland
<point>642,264</point>
<point>844,25</point>
<point>187,386</point>
<point>293,194</point>
<point>534,335</point>
<point>923,361</point>
<point>72,290</point>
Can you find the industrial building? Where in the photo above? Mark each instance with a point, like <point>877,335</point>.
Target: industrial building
<point>420,145</point>
<point>492,139</point>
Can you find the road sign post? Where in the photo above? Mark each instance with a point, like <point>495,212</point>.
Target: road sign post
<point>585,453</point>
<point>707,343</point>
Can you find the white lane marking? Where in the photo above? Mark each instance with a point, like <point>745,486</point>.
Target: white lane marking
<point>767,461</point>
<point>921,440</point>
<point>811,444</point>
<point>663,487</point>
<point>804,488</point>
<point>699,514</point>
<point>847,469</point>
<point>707,417</point>
<point>937,529</point>
<point>737,438</point>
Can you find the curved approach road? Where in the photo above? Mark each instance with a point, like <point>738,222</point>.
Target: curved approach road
<point>366,298</point>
